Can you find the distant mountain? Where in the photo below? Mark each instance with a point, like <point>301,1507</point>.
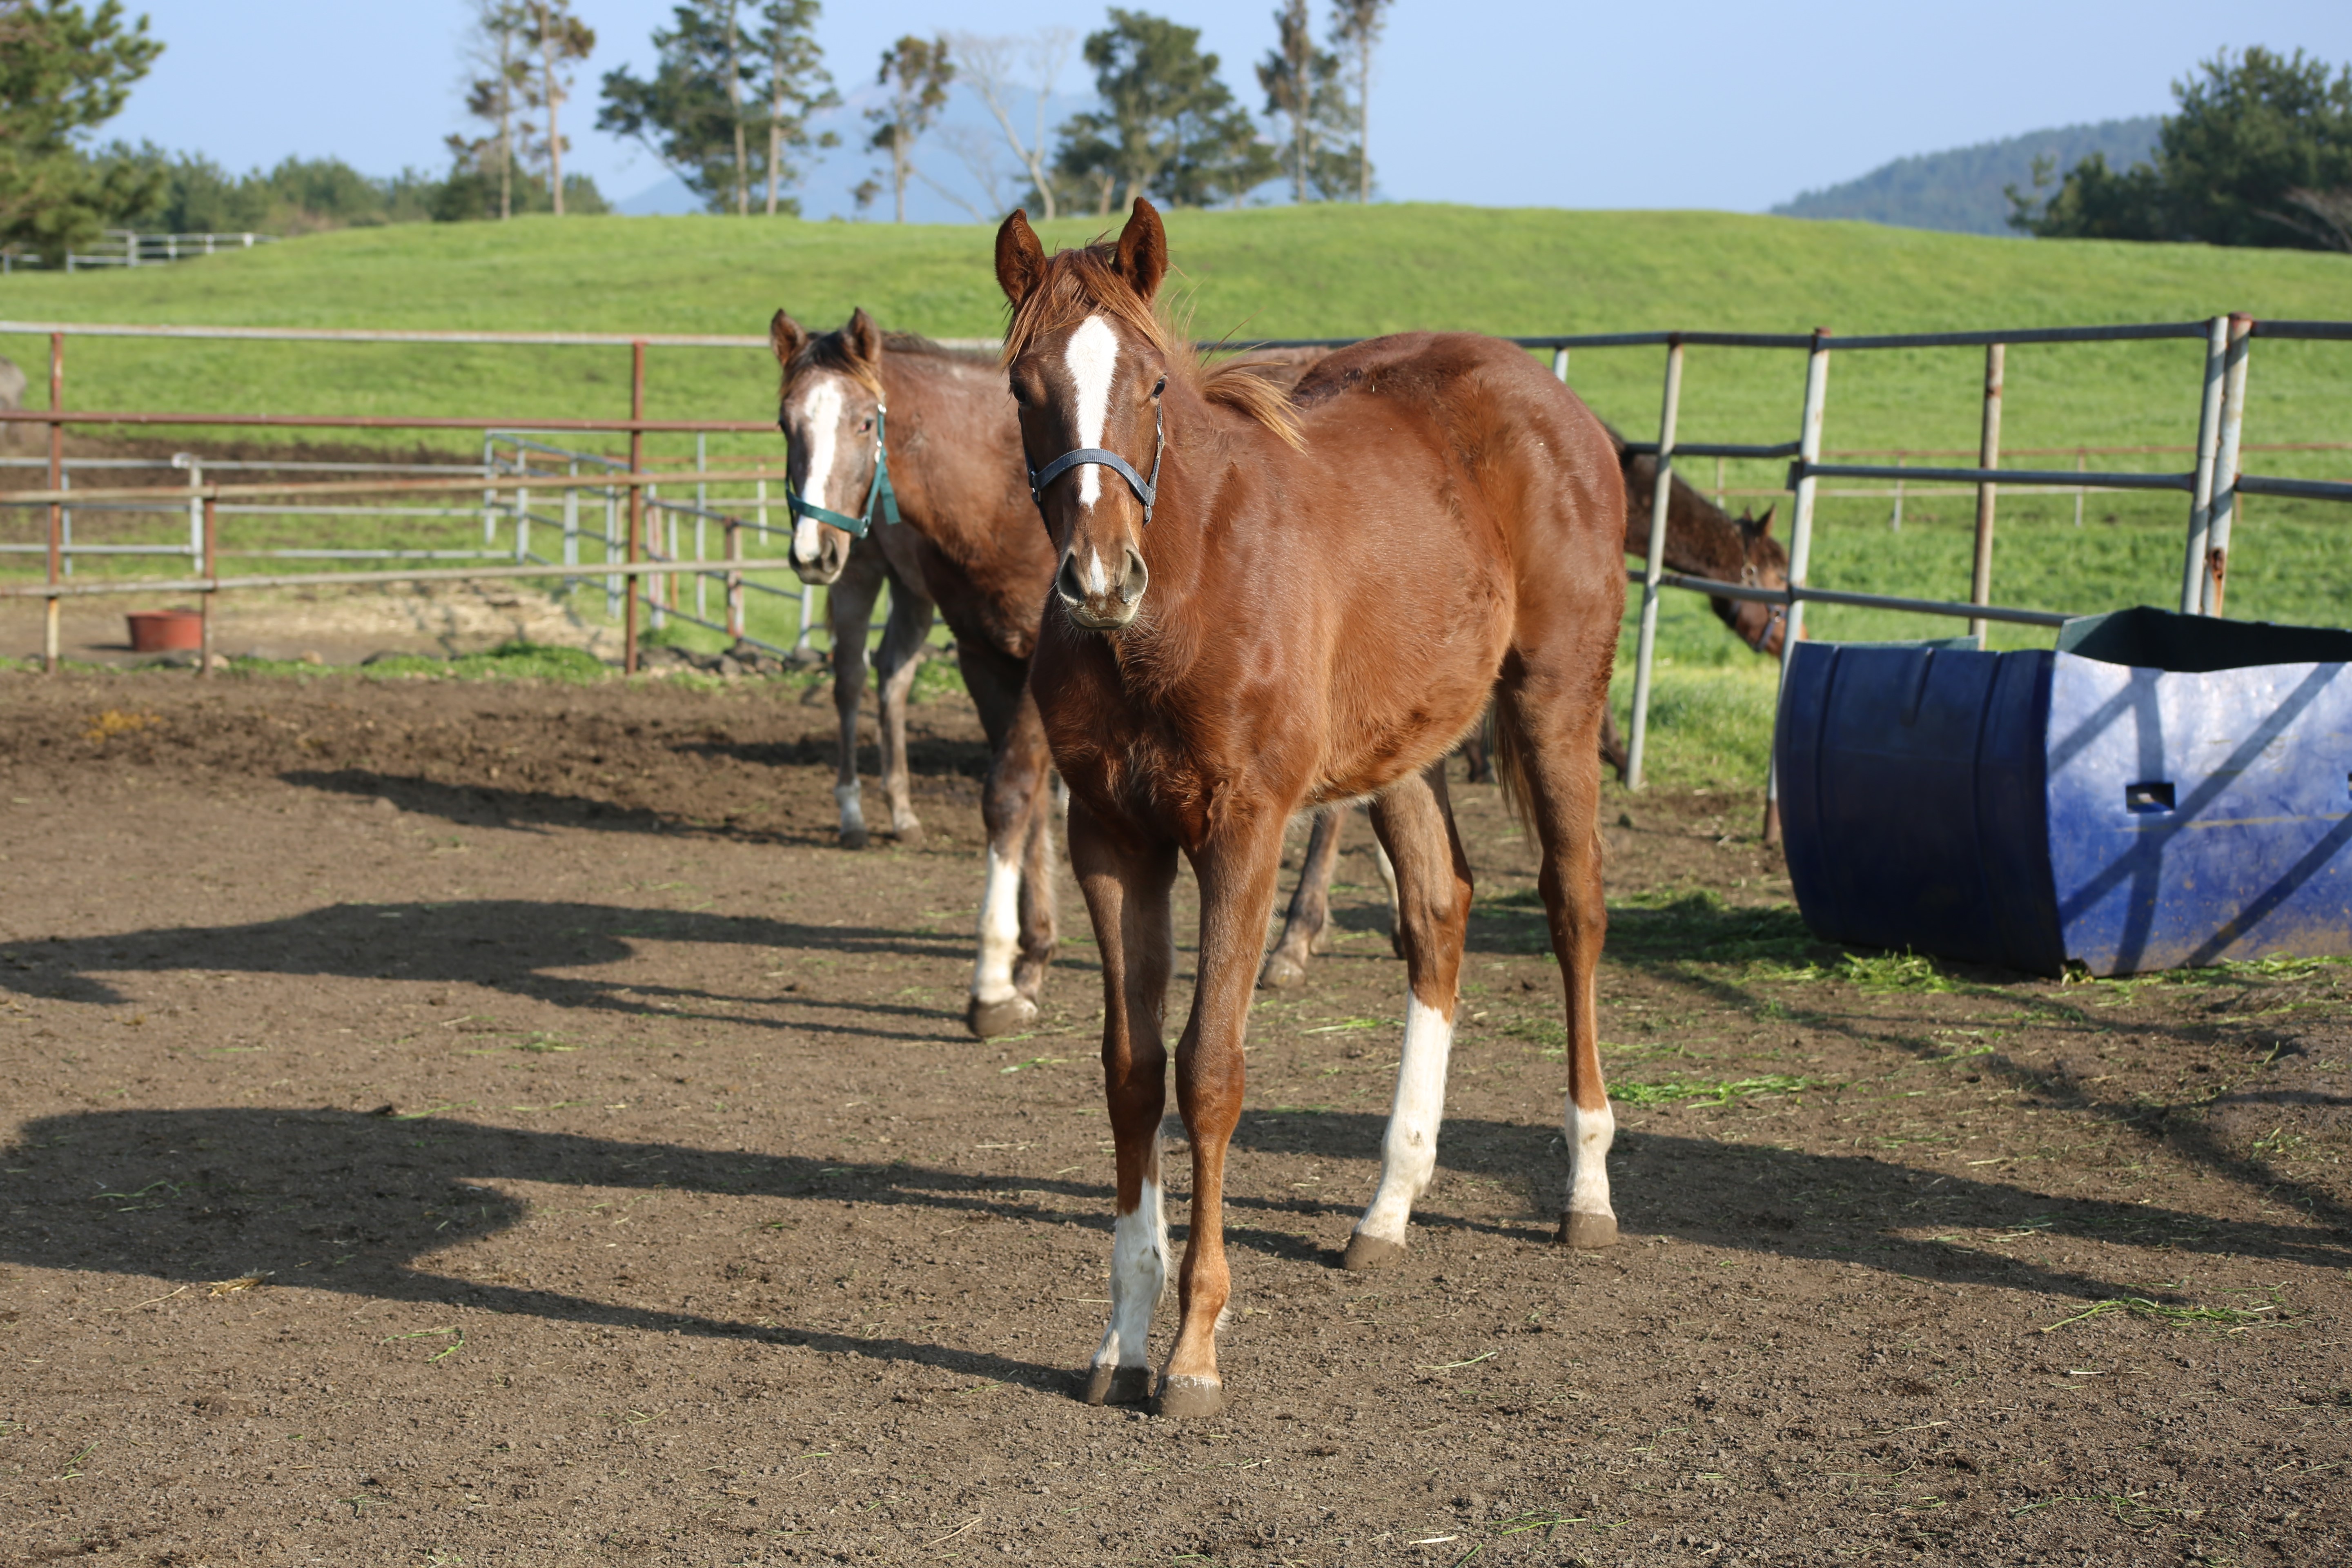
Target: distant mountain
<point>1960,191</point>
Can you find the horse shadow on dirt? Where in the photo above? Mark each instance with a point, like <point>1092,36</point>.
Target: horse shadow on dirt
<point>1724,952</point>
<point>516,946</point>
<point>537,810</point>
<point>361,1204</point>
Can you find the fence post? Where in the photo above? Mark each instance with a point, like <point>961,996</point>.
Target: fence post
<point>702,505</point>
<point>1895,523</point>
<point>2082,492</point>
<point>1988,456</point>
<point>636,500</point>
<point>522,506</point>
<point>1560,364</point>
<point>52,653</point>
<point>2225,463</point>
<point>2209,439</point>
<point>204,604</point>
<point>489,496</point>
<point>1660,498</point>
<point>612,583</point>
<point>1801,551</point>
<point>571,526</point>
<point>735,553</point>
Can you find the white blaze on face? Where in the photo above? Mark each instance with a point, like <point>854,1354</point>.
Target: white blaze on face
<point>1589,1133</point>
<point>820,414</point>
<point>1409,1152</point>
<point>1093,358</point>
<point>1139,1273</point>
<point>1000,930</point>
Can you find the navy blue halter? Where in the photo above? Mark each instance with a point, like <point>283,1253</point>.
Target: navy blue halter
<point>1146,490</point>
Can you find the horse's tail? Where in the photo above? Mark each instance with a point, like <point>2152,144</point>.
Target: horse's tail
<point>1511,762</point>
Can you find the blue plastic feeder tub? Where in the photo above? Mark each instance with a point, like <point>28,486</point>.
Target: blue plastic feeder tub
<point>2162,790</point>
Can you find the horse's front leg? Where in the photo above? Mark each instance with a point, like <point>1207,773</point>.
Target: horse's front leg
<point>1127,879</point>
<point>849,608</point>
<point>1237,869</point>
<point>1304,927</point>
<point>1414,820</point>
<point>900,656</point>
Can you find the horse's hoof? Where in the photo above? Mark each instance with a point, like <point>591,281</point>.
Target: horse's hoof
<point>1586,1230</point>
<point>1189,1396</point>
<point>1369,1252</point>
<point>1282,973</point>
<point>1117,1385</point>
<point>989,1019</point>
<point>909,832</point>
<point>852,838</point>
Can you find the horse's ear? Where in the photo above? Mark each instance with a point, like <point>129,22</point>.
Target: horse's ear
<point>1020,259</point>
<point>1143,250</point>
<point>1762,527</point>
<point>785,336</point>
<point>863,339</point>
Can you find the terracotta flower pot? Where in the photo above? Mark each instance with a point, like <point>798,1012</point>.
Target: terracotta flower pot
<point>161,631</point>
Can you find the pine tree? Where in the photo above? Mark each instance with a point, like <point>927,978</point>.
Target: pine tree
<point>719,91</point>
<point>64,72</point>
<point>1168,128</point>
<point>917,73</point>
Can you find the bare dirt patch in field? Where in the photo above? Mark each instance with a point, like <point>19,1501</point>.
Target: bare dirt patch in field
<point>460,1121</point>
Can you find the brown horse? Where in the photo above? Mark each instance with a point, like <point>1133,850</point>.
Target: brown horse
<point>970,545</point>
<point>1702,540</point>
<point>1231,640</point>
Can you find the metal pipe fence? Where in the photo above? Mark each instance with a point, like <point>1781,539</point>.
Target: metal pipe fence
<point>651,546</point>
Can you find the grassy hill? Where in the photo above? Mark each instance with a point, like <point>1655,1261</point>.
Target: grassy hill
<point>1344,271</point>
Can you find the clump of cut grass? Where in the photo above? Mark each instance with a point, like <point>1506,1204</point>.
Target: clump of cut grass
<point>1716,1091</point>
<point>1905,971</point>
<point>2234,1319</point>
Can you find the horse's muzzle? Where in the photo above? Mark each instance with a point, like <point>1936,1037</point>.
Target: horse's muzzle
<point>832,557</point>
<point>1092,599</point>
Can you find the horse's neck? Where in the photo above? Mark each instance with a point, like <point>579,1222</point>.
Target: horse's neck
<point>948,492</point>
<point>1701,538</point>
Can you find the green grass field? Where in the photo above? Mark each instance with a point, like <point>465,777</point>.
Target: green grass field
<point>1343,271</point>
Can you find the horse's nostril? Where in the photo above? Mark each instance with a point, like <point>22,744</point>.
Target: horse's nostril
<point>1066,580</point>
<point>1138,577</point>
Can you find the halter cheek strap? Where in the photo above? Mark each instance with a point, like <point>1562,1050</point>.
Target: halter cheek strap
<point>880,493</point>
<point>1146,490</point>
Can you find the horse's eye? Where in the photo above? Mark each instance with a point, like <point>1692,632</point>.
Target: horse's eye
<point>1161,388</point>
<point>864,425</point>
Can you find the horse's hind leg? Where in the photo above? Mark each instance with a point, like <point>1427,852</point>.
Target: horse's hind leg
<point>849,607</point>
<point>1017,926</point>
<point>900,656</point>
<point>1304,927</point>
<point>1416,823</point>
<point>1554,712</point>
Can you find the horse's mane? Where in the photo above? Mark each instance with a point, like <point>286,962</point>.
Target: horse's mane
<point>830,351</point>
<point>1086,281</point>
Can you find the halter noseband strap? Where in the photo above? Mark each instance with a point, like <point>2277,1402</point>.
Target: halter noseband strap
<point>1146,490</point>
<point>880,492</point>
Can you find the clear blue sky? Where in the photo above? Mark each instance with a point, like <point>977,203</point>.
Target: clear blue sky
<point>1493,102</point>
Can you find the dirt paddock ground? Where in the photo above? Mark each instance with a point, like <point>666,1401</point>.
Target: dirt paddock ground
<point>473,1124</point>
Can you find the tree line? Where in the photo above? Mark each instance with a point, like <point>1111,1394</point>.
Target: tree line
<point>2258,151</point>
<point>730,106</point>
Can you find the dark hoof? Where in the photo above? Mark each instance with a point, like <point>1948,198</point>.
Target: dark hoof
<point>1369,1252</point>
<point>909,832</point>
<point>1117,1385</point>
<point>1282,973</point>
<point>989,1019</point>
<point>852,838</point>
<point>1189,1396</point>
<point>1586,1230</point>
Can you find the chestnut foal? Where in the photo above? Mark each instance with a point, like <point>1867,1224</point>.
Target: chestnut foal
<point>852,401</point>
<point>1265,604</point>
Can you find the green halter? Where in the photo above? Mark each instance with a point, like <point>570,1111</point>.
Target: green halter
<point>881,490</point>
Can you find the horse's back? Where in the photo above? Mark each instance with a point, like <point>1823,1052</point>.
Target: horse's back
<point>1544,464</point>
